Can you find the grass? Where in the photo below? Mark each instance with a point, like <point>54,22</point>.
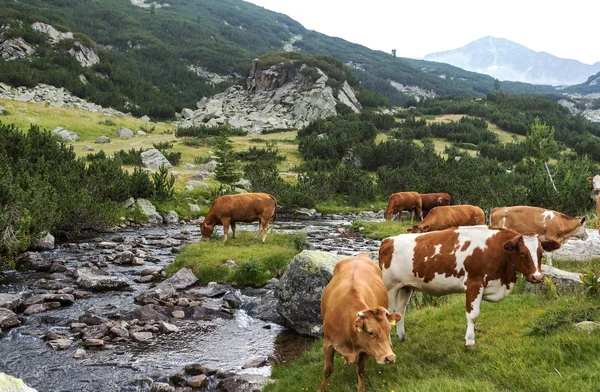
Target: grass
<point>257,262</point>
<point>577,265</point>
<point>383,229</point>
<point>524,343</point>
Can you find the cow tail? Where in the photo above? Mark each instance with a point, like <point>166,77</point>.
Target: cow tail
<point>275,211</point>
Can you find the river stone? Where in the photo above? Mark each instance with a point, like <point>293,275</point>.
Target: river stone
<point>46,242</point>
<point>92,280</point>
<point>171,218</point>
<point>119,331</point>
<point>60,344</point>
<point>32,261</point>
<point>178,314</point>
<point>566,282</point>
<point>8,319</point>
<point>181,280</point>
<point>209,291</point>
<point>92,319</point>
<point>196,369</point>
<point>262,306</point>
<point>196,381</point>
<point>146,312</point>
<point>161,387</point>
<point>102,140</point>
<point>63,299</point>
<point>167,328</point>
<point>11,384</point>
<point>93,342</point>
<point>79,353</point>
<point>256,362</point>
<point>141,336</point>
<point>38,308</point>
<point>10,301</point>
<point>301,287</point>
<point>161,292</point>
<point>243,383</point>
<point>125,257</point>
<point>96,332</point>
<point>124,132</point>
<point>149,210</point>
<point>206,313</point>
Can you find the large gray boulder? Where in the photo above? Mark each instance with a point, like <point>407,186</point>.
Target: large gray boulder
<point>566,282</point>
<point>301,287</point>
<point>65,134</point>
<point>181,280</point>
<point>11,384</point>
<point>124,132</point>
<point>32,261</point>
<point>102,140</point>
<point>10,301</point>
<point>14,48</point>
<point>153,159</point>
<point>149,210</point>
<point>208,167</point>
<point>86,56</point>
<point>46,242</point>
<point>54,35</point>
<point>94,280</point>
<point>8,320</point>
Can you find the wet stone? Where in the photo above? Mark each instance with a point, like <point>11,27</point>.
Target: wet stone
<point>196,381</point>
<point>167,328</point>
<point>60,344</point>
<point>38,308</point>
<point>162,387</point>
<point>183,302</point>
<point>10,301</point>
<point>92,319</point>
<point>178,314</point>
<point>93,342</point>
<point>119,331</point>
<point>178,379</point>
<point>79,353</point>
<point>196,369</point>
<point>96,332</point>
<point>8,319</point>
<point>141,336</point>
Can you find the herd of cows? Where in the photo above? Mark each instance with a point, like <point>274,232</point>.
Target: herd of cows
<point>451,250</point>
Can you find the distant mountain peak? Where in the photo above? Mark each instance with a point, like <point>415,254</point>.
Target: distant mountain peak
<point>507,60</point>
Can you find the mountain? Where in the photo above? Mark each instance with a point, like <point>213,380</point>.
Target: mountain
<point>507,60</point>
<point>157,57</point>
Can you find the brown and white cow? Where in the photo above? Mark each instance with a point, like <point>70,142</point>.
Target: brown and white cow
<point>443,217</point>
<point>548,224</point>
<point>246,207</point>
<point>431,200</point>
<point>400,201</point>
<point>356,322</point>
<point>595,195</point>
<point>476,260</point>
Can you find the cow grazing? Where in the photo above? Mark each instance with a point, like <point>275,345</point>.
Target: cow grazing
<point>431,200</point>
<point>476,260</point>
<point>595,181</point>
<point>356,322</point>
<point>246,207</point>
<point>398,202</point>
<point>548,224</point>
<point>443,217</point>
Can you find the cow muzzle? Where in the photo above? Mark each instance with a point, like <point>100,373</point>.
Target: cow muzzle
<point>388,359</point>
<point>538,277</point>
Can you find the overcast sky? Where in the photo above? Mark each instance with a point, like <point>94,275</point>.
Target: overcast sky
<point>567,29</point>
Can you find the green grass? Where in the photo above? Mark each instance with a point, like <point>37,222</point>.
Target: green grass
<point>576,265</point>
<point>524,343</point>
<point>181,200</point>
<point>383,229</point>
<point>257,262</point>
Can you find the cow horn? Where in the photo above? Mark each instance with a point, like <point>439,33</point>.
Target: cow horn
<point>360,314</point>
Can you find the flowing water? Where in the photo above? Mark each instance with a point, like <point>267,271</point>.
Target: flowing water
<point>221,344</point>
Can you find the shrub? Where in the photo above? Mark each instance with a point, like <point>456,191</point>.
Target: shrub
<point>164,184</point>
<point>249,273</point>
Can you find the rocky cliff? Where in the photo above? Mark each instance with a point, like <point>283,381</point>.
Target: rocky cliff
<point>276,97</point>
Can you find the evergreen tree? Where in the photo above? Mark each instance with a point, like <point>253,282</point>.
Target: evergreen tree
<point>228,168</point>
<point>541,145</point>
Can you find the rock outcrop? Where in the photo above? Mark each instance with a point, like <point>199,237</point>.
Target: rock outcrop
<point>273,98</point>
<point>54,35</point>
<point>14,49</point>
<point>86,56</point>
<point>154,159</point>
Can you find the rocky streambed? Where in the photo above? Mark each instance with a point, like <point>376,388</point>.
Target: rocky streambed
<point>98,316</point>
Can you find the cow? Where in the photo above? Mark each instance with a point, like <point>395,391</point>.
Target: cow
<point>431,200</point>
<point>595,182</point>
<point>443,217</point>
<point>548,224</point>
<point>246,207</point>
<point>356,322</point>
<point>476,260</point>
<point>401,201</point>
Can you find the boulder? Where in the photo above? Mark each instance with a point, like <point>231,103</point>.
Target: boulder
<point>145,118</point>
<point>154,159</point>
<point>15,48</point>
<point>243,383</point>
<point>181,280</point>
<point>11,384</point>
<point>10,301</point>
<point>171,218</point>
<point>566,282</point>
<point>161,292</point>
<point>208,167</point>
<point>187,113</point>
<point>32,261</point>
<point>93,280</point>
<point>149,210</point>
<point>588,326</point>
<point>84,55</point>
<point>145,313</point>
<point>191,184</point>
<point>46,242</point>
<point>53,35</point>
<point>8,319</point>
<point>124,132</point>
<point>300,289</point>
<point>103,140</point>
<point>65,135</point>
<point>194,207</point>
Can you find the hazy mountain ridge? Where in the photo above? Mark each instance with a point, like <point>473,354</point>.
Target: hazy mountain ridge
<point>509,61</point>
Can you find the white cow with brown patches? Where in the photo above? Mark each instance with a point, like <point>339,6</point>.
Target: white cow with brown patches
<point>548,224</point>
<point>476,260</point>
<point>595,195</point>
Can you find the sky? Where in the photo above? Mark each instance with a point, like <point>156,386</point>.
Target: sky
<point>566,29</point>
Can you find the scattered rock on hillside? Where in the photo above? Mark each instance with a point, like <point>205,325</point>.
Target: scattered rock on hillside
<point>208,167</point>
<point>153,159</point>
<point>65,135</point>
<point>102,140</point>
<point>14,48</point>
<point>145,118</point>
<point>191,184</point>
<point>124,132</point>
<point>84,55</point>
<point>149,210</point>
<point>53,34</point>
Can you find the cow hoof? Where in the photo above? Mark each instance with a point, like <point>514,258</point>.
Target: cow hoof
<point>470,347</point>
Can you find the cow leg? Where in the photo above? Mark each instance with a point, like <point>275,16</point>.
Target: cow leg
<point>474,296</point>
<point>265,227</point>
<point>361,365</point>
<point>258,231</point>
<point>400,211</point>
<point>233,230</point>
<point>398,301</point>
<point>420,213</point>
<point>225,222</point>
<point>328,352</point>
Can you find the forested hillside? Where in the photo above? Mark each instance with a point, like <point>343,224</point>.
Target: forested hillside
<point>149,56</point>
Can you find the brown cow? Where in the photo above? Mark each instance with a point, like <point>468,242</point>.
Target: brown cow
<point>443,217</point>
<point>476,260</point>
<point>548,224</point>
<point>431,200</point>
<point>398,202</point>
<point>356,322</point>
<point>245,207</point>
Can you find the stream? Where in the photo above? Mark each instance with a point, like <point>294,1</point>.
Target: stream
<point>238,344</point>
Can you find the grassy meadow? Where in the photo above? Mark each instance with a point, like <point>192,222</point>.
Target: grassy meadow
<point>524,343</point>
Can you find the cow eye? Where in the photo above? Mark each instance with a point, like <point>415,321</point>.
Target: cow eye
<point>373,335</point>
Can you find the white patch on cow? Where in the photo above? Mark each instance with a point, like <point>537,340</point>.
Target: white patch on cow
<point>477,237</point>
<point>548,214</point>
<point>531,243</point>
<point>495,291</point>
<point>438,249</point>
<point>471,318</point>
<point>596,182</point>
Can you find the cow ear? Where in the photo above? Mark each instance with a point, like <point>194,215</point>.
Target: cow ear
<point>426,228</point>
<point>550,245</point>
<point>510,246</point>
<point>582,221</point>
<point>440,200</point>
<point>394,317</point>
<point>358,324</point>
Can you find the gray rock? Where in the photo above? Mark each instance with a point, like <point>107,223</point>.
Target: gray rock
<point>187,113</point>
<point>60,344</point>
<point>167,328</point>
<point>197,381</point>
<point>63,299</point>
<point>191,184</point>
<point>32,261</point>
<point>92,319</point>
<point>84,55</point>
<point>140,133</point>
<point>54,35</point>
<point>141,337</point>
<point>79,353</point>
<point>119,331</point>
<point>263,307</point>
<point>10,301</point>
<point>171,218</point>
<point>154,159</point>
<point>209,291</point>
<point>147,312</point>
<point>243,383</point>
<point>160,293</point>
<point>42,307</point>
<point>205,313</point>
<point>46,242</point>
<point>300,289</point>
<point>65,135</point>
<point>149,210</point>
<point>181,280</point>
<point>161,387</point>
<point>306,213</point>
<point>124,257</point>
<point>566,282</point>
<point>12,384</point>
<point>145,118</point>
<point>588,326</point>
<point>15,48</point>
<point>129,203</point>
<point>103,140</point>
<point>208,167</point>
<point>194,207</point>
<point>96,332</point>
<point>8,319</point>
<point>87,148</point>
<point>196,369</point>
<point>124,132</point>
<point>94,280</point>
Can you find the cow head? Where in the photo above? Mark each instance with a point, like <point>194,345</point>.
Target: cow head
<point>581,232</point>
<point>388,214</point>
<point>206,230</point>
<point>419,229</point>
<point>372,327</point>
<point>526,251</point>
<point>595,181</point>
<point>444,201</point>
